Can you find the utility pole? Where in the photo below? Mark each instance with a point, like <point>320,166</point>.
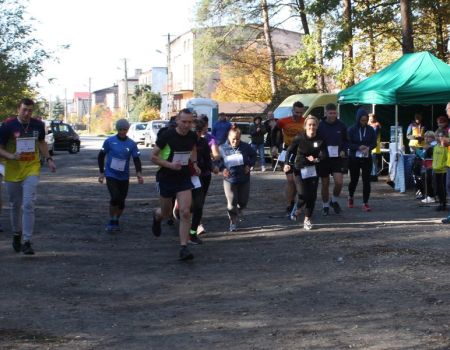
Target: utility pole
<point>169,78</point>
<point>126,88</point>
<point>65,105</point>
<point>89,107</point>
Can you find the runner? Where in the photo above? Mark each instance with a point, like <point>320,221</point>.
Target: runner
<point>23,138</point>
<point>309,150</point>
<point>333,132</point>
<point>173,151</point>
<point>237,159</point>
<point>290,127</point>
<point>118,149</point>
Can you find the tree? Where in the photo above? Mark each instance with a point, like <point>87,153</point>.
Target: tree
<point>407,30</point>
<point>58,109</point>
<point>146,104</point>
<point>21,55</point>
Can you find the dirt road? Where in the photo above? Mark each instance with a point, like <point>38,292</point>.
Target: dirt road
<point>378,280</point>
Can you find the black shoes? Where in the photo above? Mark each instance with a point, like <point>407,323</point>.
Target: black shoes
<point>325,211</point>
<point>17,242</point>
<point>185,254</point>
<point>336,207</point>
<point>193,239</point>
<point>156,226</point>
<point>27,249</point>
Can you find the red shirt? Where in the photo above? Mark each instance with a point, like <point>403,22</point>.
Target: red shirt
<point>290,128</point>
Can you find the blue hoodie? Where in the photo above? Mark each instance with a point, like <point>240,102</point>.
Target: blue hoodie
<point>333,134</point>
<point>358,135</point>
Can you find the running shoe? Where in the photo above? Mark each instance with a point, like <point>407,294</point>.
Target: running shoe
<point>193,239</point>
<point>428,200</point>
<point>185,254</point>
<point>156,226</point>
<point>336,207</point>
<point>112,226</point>
<point>17,242</point>
<point>263,169</point>
<point>307,225</point>
<point>201,229</point>
<point>350,202</point>
<point>27,249</point>
<point>366,207</point>
<point>446,220</point>
<point>325,211</point>
<point>233,227</point>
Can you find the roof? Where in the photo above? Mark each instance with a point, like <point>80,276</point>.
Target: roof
<point>416,78</point>
<point>81,95</point>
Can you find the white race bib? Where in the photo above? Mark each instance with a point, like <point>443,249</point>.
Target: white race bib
<point>118,164</point>
<point>181,157</point>
<point>360,154</point>
<point>234,160</point>
<point>196,181</point>
<point>333,151</point>
<point>25,145</point>
<point>309,171</point>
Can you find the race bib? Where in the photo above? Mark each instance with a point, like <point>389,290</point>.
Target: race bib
<point>309,171</point>
<point>196,181</point>
<point>234,160</point>
<point>118,164</point>
<point>333,151</point>
<point>360,154</point>
<point>181,157</point>
<point>26,147</point>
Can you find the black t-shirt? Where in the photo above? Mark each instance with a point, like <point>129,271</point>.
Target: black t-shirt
<point>171,144</point>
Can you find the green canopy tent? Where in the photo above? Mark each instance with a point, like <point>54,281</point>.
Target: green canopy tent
<point>415,78</point>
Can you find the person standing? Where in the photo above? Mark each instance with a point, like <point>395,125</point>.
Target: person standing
<point>257,132</point>
<point>174,150</point>
<point>447,142</point>
<point>333,132</point>
<point>118,150</point>
<point>220,129</point>
<point>415,132</point>
<point>376,152</point>
<point>23,139</point>
<point>309,149</point>
<point>291,127</point>
<point>237,158</point>
<point>362,139</point>
<point>270,125</point>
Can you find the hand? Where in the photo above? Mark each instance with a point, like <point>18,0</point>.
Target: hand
<point>198,171</point>
<point>101,178</point>
<point>51,164</point>
<point>175,166</point>
<point>140,179</point>
<point>311,158</point>
<point>226,173</point>
<point>342,154</point>
<point>286,168</point>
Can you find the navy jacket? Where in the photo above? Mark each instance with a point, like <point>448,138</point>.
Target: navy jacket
<point>358,136</point>
<point>237,174</point>
<point>333,135</point>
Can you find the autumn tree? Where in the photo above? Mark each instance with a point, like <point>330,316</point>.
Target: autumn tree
<point>146,104</point>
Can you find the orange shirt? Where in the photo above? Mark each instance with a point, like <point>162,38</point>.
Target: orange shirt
<point>290,128</point>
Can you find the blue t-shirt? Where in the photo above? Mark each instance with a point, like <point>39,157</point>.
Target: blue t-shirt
<point>118,153</point>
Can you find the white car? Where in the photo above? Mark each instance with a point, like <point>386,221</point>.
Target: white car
<point>137,131</point>
<point>153,128</point>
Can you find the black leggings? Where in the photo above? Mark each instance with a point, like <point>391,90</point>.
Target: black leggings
<point>118,189</point>
<point>307,194</point>
<point>439,180</point>
<point>357,165</point>
<point>198,201</point>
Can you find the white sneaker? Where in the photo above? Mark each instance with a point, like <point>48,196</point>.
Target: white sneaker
<point>233,227</point>
<point>201,229</point>
<point>428,199</point>
<point>263,169</point>
<point>307,225</point>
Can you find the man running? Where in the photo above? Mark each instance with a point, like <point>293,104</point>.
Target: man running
<point>24,137</point>
<point>333,132</point>
<point>290,127</point>
<point>173,151</point>
<point>118,149</point>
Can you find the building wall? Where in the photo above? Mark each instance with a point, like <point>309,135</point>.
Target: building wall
<point>182,63</point>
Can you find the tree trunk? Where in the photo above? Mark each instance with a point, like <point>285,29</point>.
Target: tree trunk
<point>441,46</point>
<point>407,32</point>
<point>372,44</point>
<point>271,51</point>
<point>319,54</point>
<point>348,45</point>
<point>301,10</point>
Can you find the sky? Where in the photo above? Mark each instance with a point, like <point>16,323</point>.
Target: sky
<point>101,34</point>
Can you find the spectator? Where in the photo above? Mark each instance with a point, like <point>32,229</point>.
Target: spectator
<point>221,128</point>
<point>257,132</point>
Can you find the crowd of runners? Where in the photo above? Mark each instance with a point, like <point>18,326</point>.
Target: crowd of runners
<point>187,156</point>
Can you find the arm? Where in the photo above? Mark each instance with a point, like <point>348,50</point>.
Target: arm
<point>101,165</point>
<point>409,134</point>
<point>156,159</point>
<point>43,148</point>
<point>194,160</point>
<point>6,154</point>
<point>138,167</point>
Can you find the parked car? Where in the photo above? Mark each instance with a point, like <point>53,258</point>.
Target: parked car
<point>152,131</point>
<point>137,132</point>
<point>64,137</point>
